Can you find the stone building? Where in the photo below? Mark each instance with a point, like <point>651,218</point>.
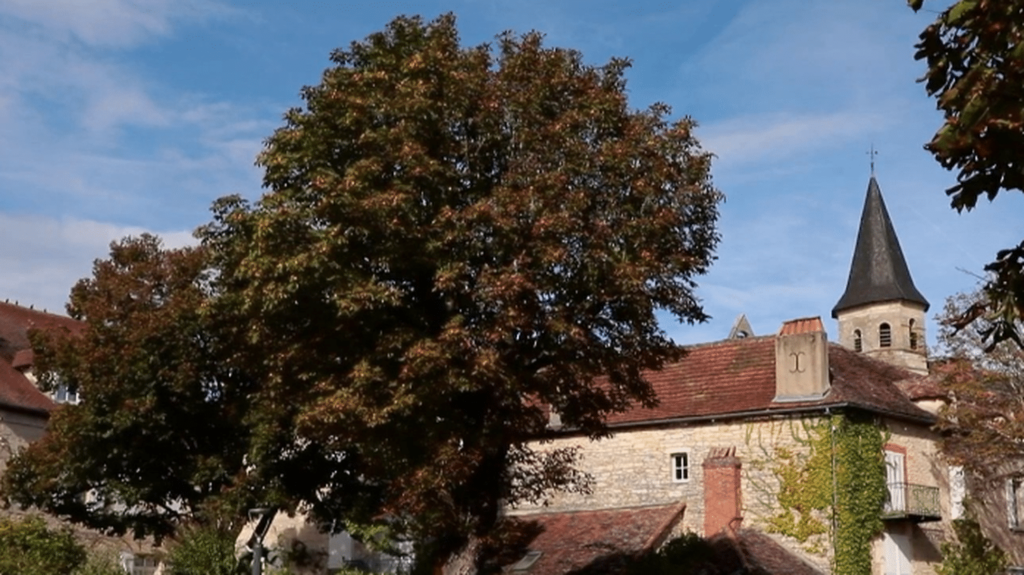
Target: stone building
<point>746,428</point>
<point>739,422</point>
<point>733,439</point>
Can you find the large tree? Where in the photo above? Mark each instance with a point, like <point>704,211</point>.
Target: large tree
<point>453,243</point>
<point>975,56</point>
<point>158,435</point>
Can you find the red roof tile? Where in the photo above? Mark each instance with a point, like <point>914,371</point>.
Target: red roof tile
<point>22,358</point>
<point>576,540</point>
<point>753,552</point>
<point>941,374</point>
<point>802,325</point>
<point>737,376</point>
<point>16,391</point>
<point>16,321</point>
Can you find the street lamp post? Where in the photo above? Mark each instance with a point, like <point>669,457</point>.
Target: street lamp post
<point>262,516</point>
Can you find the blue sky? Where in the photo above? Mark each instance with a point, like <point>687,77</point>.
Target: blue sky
<point>123,116</point>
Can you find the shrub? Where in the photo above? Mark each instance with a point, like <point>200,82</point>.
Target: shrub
<point>204,550</point>
<point>972,553</point>
<point>29,547</point>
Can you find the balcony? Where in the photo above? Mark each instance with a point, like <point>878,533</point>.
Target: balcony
<point>917,503</point>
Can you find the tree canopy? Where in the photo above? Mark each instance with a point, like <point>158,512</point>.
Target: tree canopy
<point>983,422</point>
<point>160,432</point>
<point>453,242</point>
<point>975,56</point>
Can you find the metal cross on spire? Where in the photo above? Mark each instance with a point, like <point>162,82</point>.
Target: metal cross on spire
<point>871,154</point>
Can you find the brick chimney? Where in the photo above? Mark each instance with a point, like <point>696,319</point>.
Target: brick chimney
<point>722,497</point>
<point>801,360</point>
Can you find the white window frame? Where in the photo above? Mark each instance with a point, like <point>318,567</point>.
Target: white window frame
<point>679,462</point>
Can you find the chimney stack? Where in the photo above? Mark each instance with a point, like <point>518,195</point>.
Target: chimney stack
<point>722,497</point>
<point>801,360</point>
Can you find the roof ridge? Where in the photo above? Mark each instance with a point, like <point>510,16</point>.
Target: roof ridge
<point>563,511</point>
<point>880,362</point>
<point>727,341</point>
<point>33,310</point>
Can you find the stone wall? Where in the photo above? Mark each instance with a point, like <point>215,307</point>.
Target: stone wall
<point>634,468</point>
<point>17,430</point>
<point>924,466</point>
<point>899,316</point>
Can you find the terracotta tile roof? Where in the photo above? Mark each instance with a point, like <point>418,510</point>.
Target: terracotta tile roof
<point>802,325</point>
<point>941,374</point>
<point>16,391</point>
<point>22,359</point>
<point>755,553</point>
<point>869,383</point>
<point>16,321</point>
<point>598,541</point>
<point>724,377</point>
<point>737,376</point>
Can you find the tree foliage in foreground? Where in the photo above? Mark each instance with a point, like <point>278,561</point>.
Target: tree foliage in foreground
<point>975,58</point>
<point>451,240</point>
<point>161,433</point>
<point>984,422</point>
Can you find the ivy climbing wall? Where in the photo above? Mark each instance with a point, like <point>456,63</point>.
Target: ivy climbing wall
<point>818,483</point>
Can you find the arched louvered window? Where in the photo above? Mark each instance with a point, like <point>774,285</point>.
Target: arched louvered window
<point>913,334</point>
<point>884,335</point>
<point>858,341</point>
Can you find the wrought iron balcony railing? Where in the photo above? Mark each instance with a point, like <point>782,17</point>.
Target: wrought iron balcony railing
<point>914,502</point>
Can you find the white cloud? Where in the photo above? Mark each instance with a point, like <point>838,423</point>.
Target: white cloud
<point>110,22</point>
<point>46,256</point>
<point>64,113</point>
<point>748,139</point>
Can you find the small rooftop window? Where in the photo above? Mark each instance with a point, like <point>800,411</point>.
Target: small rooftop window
<point>527,561</point>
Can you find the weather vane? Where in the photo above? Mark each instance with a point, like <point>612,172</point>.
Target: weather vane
<point>871,154</point>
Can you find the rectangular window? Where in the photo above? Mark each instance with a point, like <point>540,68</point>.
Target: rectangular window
<point>65,394</point>
<point>680,467</point>
<point>1015,503</point>
<point>145,565</point>
<point>139,564</point>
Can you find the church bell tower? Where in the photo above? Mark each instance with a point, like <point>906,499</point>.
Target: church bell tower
<point>881,313</point>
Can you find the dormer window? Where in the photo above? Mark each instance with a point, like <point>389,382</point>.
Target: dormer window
<point>858,341</point>
<point>913,335</point>
<point>884,335</point>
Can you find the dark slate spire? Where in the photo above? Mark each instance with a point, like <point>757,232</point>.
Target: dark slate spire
<point>878,272</point>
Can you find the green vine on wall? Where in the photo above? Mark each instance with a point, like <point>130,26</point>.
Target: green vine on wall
<point>839,479</point>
